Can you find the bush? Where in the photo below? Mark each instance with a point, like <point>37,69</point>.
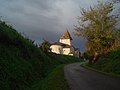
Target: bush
<point>110,62</point>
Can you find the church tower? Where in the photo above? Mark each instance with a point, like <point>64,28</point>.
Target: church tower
<point>66,38</point>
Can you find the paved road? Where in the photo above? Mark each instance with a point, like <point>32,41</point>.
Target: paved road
<point>80,78</point>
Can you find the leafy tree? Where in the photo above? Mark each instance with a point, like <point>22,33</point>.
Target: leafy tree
<point>45,46</point>
<point>97,25</point>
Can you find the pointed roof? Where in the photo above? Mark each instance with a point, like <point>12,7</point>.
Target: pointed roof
<point>66,35</point>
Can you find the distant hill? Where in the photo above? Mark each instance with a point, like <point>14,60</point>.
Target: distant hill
<point>21,62</point>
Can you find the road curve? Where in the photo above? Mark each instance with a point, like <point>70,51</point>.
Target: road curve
<point>80,78</point>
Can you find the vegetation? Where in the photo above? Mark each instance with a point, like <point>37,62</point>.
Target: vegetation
<point>22,64</point>
<point>98,26</point>
<point>54,81</point>
<point>109,63</point>
<point>45,46</point>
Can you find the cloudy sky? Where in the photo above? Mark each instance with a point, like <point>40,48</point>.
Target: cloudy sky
<point>46,19</point>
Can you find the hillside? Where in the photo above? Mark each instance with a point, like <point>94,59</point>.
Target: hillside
<point>22,63</point>
<point>109,63</point>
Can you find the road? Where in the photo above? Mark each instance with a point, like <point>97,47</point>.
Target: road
<point>79,78</point>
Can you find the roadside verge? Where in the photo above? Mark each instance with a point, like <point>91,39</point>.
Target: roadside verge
<point>85,65</point>
<point>54,81</point>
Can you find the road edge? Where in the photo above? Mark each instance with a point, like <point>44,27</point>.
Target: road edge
<point>99,71</point>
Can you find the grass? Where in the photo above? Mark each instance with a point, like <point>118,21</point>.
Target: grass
<point>22,64</point>
<point>99,71</point>
<point>54,81</point>
<point>108,64</point>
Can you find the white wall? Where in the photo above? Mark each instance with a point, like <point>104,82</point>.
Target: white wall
<point>65,41</point>
<point>56,49</point>
<point>66,51</point>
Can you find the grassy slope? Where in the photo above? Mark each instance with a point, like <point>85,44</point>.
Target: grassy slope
<point>109,63</point>
<point>21,63</point>
<point>54,81</point>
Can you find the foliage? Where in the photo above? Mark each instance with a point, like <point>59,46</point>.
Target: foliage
<point>45,46</point>
<point>109,63</point>
<point>22,64</point>
<point>54,81</point>
<point>97,25</point>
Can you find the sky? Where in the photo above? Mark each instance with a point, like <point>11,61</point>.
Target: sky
<point>45,19</point>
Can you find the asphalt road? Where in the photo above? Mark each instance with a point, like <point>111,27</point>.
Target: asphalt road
<point>80,78</point>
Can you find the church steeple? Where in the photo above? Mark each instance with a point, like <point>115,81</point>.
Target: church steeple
<point>66,38</point>
<point>66,35</point>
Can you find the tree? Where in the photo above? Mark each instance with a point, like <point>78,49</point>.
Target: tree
<point>45,46</point>
<point>97,25</point>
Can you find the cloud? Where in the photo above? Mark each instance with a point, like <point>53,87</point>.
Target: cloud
<point>44,18</point>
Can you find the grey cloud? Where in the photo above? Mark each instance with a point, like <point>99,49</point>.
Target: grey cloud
<point>43,4</point>
<point>44,18</point>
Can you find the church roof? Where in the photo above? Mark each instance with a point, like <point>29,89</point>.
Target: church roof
<point>62,44</point>
<point>66,35</point>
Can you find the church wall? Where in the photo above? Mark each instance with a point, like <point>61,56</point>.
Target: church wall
<point>65,41</point>
<point>66,51</point>
<point>57,49</point>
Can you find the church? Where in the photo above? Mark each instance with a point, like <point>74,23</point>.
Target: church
<point>64,46</point>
